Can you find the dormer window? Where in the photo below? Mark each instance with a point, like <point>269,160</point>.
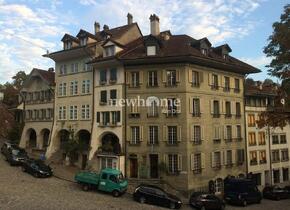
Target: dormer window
<point>67,45</point>
<point>225,56</point>
<point>109,51</point>
<point>204,51</point>
<point>151,50</point>
<point>83,41</point>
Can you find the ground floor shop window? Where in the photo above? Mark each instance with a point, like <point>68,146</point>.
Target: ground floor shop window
<point>276,175</point>
<point>108,163</point>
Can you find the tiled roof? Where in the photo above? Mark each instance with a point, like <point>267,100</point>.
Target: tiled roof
<point>260,90</point>
<point>49,76</point>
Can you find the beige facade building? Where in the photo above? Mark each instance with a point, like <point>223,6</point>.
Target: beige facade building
<point>38,103</point>
<point>267,148</point>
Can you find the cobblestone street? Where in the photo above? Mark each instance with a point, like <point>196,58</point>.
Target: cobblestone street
<point>19,190</point>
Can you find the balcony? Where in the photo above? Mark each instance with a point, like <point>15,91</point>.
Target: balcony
<point>155,143</point>
<point>152,115</point>
<point>253,162</point>
<point>103,82</point>
<point>112,81</point>
<point>134,115</point>
<point>263,162</point>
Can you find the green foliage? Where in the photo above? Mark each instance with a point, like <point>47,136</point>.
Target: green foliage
<point>18,79</point>
<point>14,134</point>
<point>279,46</point>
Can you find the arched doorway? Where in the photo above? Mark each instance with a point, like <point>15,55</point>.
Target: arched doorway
<point>84,138</point>
<point>110,144</point>
<point>32,141</point>
<point>63,137</point>
<point>45,138</point>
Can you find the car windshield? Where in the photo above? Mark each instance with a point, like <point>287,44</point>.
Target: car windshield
<point>120,177</point>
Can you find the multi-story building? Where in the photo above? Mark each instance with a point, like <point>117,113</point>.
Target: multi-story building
<point>38,102</point>
<point>188,126</point>
<point>267,148</point>
<point>75,86</point>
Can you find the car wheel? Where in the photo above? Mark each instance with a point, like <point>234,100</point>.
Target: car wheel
<point>245,203</point>
<point>172,205</point>
<point>116,193</point>
<point>142,200</point>
<point>86,187</point>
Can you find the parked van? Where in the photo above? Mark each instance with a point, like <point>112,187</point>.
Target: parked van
<point>241,191</point>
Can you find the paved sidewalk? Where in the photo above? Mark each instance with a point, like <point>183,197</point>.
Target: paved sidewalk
<point>64,172</point>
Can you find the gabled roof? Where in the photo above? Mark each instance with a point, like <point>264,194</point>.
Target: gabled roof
<point>224,46</point>
<point>83,33</point>
<point>46,76</point>
<point>68,37</point>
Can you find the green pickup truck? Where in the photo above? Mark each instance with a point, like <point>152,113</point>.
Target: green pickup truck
<point>108,180</point>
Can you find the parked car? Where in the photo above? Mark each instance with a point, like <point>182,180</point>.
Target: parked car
<point>37,168</point>
<point>287,188</point>
<point>241,191</point>
<point>155,195</point>
<point>275,193</point>
<point>108,180</point>
<point>13,154</point>
<point>205,201</point>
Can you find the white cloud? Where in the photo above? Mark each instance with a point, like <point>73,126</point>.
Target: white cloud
<point>88,2</point>
<point>259,62</point>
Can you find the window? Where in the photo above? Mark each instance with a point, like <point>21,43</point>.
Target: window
<point>83,41</point>
<point>262,138</point>
<point>284,155</point>
<point>237,85</point>
<point>74,67</point>
<point>171,107</point>
<point>153,135</point>
<point>113,96</point>
<point>109,51</point>
<point>275,156</point>
<point>196,107</point>
<point>285,172</point>
<point>74,88</point>
<point>86,111</point>
<point>172,135</point>
<point>283,139</point>
<point>251,120</point>
<point>229,160</point>
<point>276,175</point>
<point>215,84</point>
<point>227,84</point>
<point>135,135</point>
<point>228,136</point>
<point>67,45</point>
<point>197,162</point>
<point>262,157</point>
<point>152,79</point>
<point>171,77</point>
<point>73,112</point>
<point>87,67</point>
<point>116,117</point>
<point>240,156</point>
<point>105,118</point>
<point>113,75</point>
<point>135,79</point>
<point>216,109</point>
<point>195,79</point>
<point>218,185</point>
<point>228,109</point>
<point>151,50</point>
<point>217,159</point>
<point>204,51</point>
<point>172,163</point>
<point>153,109</point>
<point>62,89</point>
<point>103,97</point>
<point>239,132</point>
<point>103,77</point>
<point>62,69</point>
<point>86,86</point>
<point>252,138</point>
<point>216,131</point>
<point>196,134</point>
<point>62,113</point>
<point>253,158</point>
<point>238,109</point>
<point>275,139</point>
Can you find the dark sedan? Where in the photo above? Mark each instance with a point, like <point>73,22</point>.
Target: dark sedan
<point>275,193</point>
<point>37,168</point>
<point>206,201</point>
<point>157,196</point>
<point>13,154</point>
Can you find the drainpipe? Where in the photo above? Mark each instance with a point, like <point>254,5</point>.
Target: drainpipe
<point>125,122</point>
<point>53,118</point>
<point>93,108</point>
<point>270,154</point>
<point>245,131</point>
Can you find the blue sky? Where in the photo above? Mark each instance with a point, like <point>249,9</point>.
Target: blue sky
<point>29,27</point>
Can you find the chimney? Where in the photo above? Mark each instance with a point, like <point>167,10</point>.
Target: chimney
<point>129,18</point>
<point>97,27</point>
<point>154,25</point>
<point>106,27</point>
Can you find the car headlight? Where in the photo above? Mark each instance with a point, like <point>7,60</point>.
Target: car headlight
<point>179,202</point>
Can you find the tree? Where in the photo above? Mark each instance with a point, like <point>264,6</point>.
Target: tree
<point>268,82</point>
<point>278,49</point>
<point>18,79</point>
<point>250,82</point>
<point>10,95</point>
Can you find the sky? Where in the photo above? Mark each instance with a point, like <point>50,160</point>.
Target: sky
<point>30,28</point>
